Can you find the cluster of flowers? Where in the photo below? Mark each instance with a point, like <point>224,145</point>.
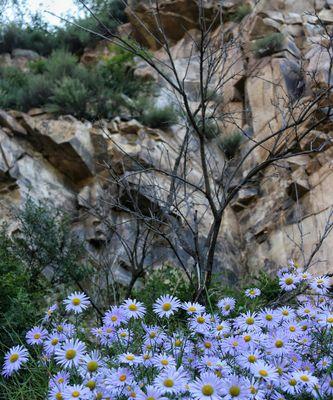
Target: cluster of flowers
<point>190,353</point>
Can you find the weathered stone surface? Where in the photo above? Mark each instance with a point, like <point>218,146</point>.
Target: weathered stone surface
<point>9,122</point>
<point>65,142</point>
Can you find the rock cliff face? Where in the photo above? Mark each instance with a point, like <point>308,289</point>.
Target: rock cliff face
<point>63,160</point>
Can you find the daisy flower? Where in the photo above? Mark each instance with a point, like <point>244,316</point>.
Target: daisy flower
<point>166,306</point>
<point>114,317</point>
<point>76,392</point>
<point>208,386</point>
<point>261,369</point>
<point>92,362</point>
<point>163,361</point>
<point>288,281</point>
<point>305,378</point>
<point>268,318</point>
<point>119,377</point>
<point>171,381</point>
<point>50,311</point>
<point>200,323</point>
<point>14,358</point>
<point>57,392</point>
<point>278,344</point>
<point>70,354</point>
<point>226,305</point>
<point>36,335</point>
<point>61,378</point>
<point>151,393</point>
<point>247,322</point>
<point>193,308</point>
<point>129,358</point>
<point>290,385</point>
<point>133,309</point>
<point>320,284</point>
<point>51,343</point>
<point>252,293</point>
<point>235,388</point>
<point>76,302</point>
<point>247,359</point>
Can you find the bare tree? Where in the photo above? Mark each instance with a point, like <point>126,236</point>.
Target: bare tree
<point>183,202</point>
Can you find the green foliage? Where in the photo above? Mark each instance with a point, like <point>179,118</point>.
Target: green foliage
<point>211,128</point>
<point>241,12</point>
<point>268,45</point>
<point>31,384</point>
<point>159,117</point>
<point>70,96</point>
<point>230,144</point>
<point>167,279</point>
<point>21,297</point>
<point>38,37</point>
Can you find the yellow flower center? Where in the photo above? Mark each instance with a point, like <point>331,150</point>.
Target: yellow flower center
<point>133,307</point>
<point>70,354</point>
<point>331,383</point>
<point>252,358</point>
<point>252,292</point>
<point>99,396</point>
<point>166,307</point>
<point>114,318</point>
<point>168,383</point>
<point>192,309</point>
<point>289,281</point>
<point>219,328</point>
<point>76,393</point>
<point>130,357</point>
<point>122,378</point>
<point>37,336</point>
<point>285,313</point>
<point>208,345</point>
<point>152,335</point>
<point>200,320</point>
<point>178,343</point>
<point>58,396</point>
<point>14,357</point>
<point>253,390</point>
<point>304,378</point>
<point>61,380</point>
<point>235,343</point>
<point>164,362</point>
<point>91,385</point>
<point>150,398</point>
<point>292,382</point>
<point>249,321</point>
<point>92,366</point>
<point>60,328</point>
<point>330,320</point>
<point>292,328</point>
<point>247,338</point>
<point>234,391</point>
<point>76,301</point>
<point>207,390</point>
<point>123,334</point>
<point>227,307</point>
<point>279,344</point>
<point>263,372</point>
<point>320,281</point>
<point>54,341</point>
<point>269,317</point>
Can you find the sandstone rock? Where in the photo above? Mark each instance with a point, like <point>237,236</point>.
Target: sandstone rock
<point>65,143</point>
<point>326,16</point>
<point>132,126</point>
<point>293,18</point>
<point>24,53</point>
<point>9,122</point>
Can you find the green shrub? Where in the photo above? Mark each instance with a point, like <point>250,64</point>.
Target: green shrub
<point>70,96</point>
<point>241,12</point>
<point>211,130</point>
<point>13,83</point>
<point>230,144</point>
<point>157,117</point>
<point>268,45</point>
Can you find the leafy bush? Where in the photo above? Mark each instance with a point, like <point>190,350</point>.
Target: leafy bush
<point>241,12</point>
<point>159,117</point>
<point>264,350</point>
<point>70,96</point>
<point>230,144</point>
<point>211,127</point>
<point>268,45</point>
